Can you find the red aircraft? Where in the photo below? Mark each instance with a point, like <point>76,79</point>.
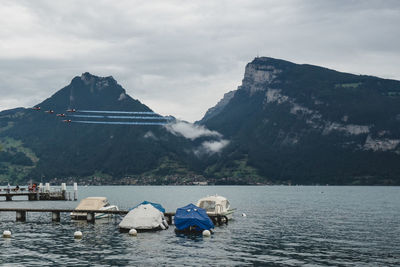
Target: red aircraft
<point>36,108</point>
<point>71,110</point>
<point>68,121</point>
<point>50,111</point>
<point>60,115</point>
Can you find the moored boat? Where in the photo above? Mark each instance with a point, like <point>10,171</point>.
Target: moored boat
<point>192,219</point>
<point>93,203</point>
<point>146,216</point>
<point>216,205</point>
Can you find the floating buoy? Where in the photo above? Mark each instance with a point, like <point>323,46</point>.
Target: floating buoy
<point>206,233</point>
<point>133,232</point>
<point>7,234</point>
<point>244,215</point>
<point>78,235</point>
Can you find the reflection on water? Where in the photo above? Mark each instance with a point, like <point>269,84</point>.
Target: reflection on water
<point>284,226</point>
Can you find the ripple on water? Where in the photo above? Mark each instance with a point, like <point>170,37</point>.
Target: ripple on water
<point>285,226</point>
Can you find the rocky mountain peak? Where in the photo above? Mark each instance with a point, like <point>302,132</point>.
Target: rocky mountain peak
<point>261,72</point>
<point>96,82</point>
<point>91,91</point>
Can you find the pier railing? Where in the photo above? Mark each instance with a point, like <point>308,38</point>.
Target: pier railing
<point>40,193</point>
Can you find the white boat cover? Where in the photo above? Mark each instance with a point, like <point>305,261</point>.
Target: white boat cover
<point>143,217</point>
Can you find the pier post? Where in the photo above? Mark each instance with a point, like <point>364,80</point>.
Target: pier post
<point>75,191</point>
<point>32,196</point>
<point>90,217</point>
<point>226,220</point>
<point>64,190</point>
<point>55,216</point>
<point>169,218</point>
<point>47,187</point>
<point>8,197</point>
<point>21,216</point>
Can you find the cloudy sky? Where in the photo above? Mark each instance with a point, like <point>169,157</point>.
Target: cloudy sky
<point>180,57</point>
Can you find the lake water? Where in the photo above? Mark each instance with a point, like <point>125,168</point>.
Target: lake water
<point>284,226</point>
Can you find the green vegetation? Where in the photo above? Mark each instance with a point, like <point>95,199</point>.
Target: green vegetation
<point>348,85</point>
<point>8,125</point>
<point>16,161</point>
<point>267,142</point>
<point>237,172</point>
<point>393,94</point>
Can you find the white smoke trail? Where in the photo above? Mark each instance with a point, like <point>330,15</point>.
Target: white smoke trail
<point>137,117</point>
<point>121,122</point>
<point>121,117</point>
<point>87,116</point>
<point>116,112</point>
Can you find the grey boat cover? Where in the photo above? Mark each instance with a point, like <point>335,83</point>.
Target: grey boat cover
<point>144,217</point>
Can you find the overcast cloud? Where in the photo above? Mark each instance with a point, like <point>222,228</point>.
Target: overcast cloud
<point>180,57</point>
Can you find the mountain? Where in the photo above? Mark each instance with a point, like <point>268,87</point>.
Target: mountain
<point>305,124</point>
<point>40,146</point>
<point>286,123</point>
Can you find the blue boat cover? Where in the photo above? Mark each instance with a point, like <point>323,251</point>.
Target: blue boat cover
<point>155,205</point>
<point>191,215</point>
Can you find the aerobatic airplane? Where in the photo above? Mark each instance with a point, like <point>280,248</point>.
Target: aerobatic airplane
<point>36,108</point>
<point>60,115</point>
<point>67,121</point>
<point>50,111</point>
<point>71,110</point>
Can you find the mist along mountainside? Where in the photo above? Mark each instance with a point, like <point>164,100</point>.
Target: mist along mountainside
<point>286,123</point>
<point>305,124</point>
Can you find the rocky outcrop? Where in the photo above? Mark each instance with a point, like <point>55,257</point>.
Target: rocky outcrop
<point>257,77</point>
<point>218,107</point>
<point>381,144</point>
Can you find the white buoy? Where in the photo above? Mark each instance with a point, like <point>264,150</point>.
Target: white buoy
<point>244,215</point>
<point>206,233</point>
<point>7,234</point>
<point>78,235</point>
<point>133,232</point>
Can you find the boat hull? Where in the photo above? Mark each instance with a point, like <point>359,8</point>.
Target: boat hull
<point>228,214</point>
<point>78,216</point>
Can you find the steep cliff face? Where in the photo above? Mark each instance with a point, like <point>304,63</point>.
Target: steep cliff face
<point>306,123</point>
<point>218,107</point>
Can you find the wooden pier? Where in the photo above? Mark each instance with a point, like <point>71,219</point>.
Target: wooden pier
<point>35,195</point>
<point>41,193</point>
<point>56,214</point>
